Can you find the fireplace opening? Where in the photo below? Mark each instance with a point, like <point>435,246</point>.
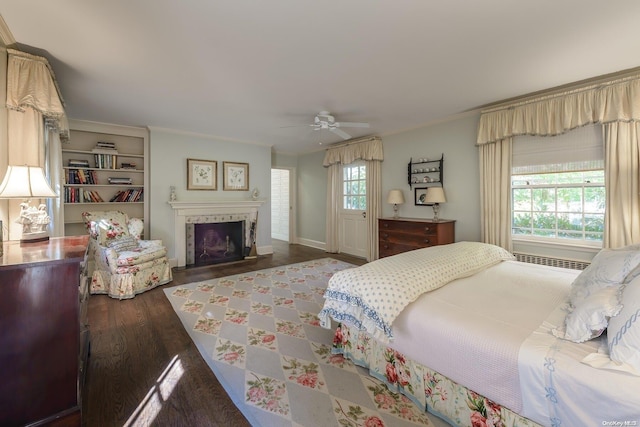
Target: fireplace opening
<point>215,243</point>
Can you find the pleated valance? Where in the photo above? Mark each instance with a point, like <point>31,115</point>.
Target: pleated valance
<point>369,148</point>
<point>31,84</point>
<point>613,101</point>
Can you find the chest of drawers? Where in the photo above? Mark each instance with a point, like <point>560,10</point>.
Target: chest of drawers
<point>406,234</point>
<point>44,339</point>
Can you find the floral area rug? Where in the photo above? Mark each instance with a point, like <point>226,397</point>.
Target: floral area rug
<point>260,334</point>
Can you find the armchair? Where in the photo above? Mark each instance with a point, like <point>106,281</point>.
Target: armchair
<point>120,264</point>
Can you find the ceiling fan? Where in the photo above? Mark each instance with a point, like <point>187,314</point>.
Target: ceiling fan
<point>324,120</point>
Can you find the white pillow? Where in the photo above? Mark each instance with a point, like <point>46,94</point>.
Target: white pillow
<point>609,268</point>
<point>589,319</point>
<point>623,335</point>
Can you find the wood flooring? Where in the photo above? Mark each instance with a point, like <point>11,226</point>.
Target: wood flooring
<point>144,370</point>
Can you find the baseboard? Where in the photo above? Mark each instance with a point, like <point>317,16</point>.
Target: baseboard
<point>312,243</point>
<point>265,250</point>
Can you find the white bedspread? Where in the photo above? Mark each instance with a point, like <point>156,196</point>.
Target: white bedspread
<point>562,391</point>
<point>370,297</point>
<point>471,330</point>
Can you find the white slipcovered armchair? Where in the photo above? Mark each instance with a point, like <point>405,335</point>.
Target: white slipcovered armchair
<point>119,263</point>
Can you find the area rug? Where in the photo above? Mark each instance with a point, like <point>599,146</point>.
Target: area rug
<point>259,332</point>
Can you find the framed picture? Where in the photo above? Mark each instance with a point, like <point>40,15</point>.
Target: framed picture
<point>202,174</point>
<point>235,176</point>
<point>419,196</point>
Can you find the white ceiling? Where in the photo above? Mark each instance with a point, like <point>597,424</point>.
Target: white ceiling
<point>246,70</point>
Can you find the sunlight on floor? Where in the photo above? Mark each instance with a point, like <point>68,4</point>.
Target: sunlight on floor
<point>151,405</point>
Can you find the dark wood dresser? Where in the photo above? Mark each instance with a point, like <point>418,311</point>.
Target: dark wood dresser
<point>406,234</point>
<point>44,338</point>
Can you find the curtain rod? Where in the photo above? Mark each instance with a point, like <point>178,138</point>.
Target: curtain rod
<point>355,141</point>
<point>571,88</point>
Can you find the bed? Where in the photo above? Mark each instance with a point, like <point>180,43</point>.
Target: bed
<point>479,339</point>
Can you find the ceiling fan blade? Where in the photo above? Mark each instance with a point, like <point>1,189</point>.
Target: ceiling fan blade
<point>342,133</point>
<point>351,125</point>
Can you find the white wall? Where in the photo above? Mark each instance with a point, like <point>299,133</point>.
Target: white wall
<point>454,138</point>
<point>168,154</point>
<point>312,200</point>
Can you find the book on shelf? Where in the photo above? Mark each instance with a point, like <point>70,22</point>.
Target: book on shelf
<point>105,161</point>
<point>78,163</point>
<point>127,165</point>
<point>131,195</point>
<point>120,181</point>
<point>104,150</point>
<point>105,144</point>
<point>78,195</point>
<point>81,176</point>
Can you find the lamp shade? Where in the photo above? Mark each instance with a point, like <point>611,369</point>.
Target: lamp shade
<point>23,182</point>
<point>435,195</point>
<point>395,197</point>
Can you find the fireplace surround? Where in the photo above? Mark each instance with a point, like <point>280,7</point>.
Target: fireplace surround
<point>211,212</point>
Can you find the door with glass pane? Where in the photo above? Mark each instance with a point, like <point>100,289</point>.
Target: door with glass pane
<point>353,221</point>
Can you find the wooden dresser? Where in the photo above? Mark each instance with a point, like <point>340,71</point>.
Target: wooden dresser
<point>44,340</point>
<point>406,234</point>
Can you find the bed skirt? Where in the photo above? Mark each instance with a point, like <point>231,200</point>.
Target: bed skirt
<point>428,389</point>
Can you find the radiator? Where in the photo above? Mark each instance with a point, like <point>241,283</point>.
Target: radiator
<point>554,262</point>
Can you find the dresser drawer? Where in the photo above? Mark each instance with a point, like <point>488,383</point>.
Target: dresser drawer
<point>389,248</point>
<point>409,227</point>
<point>418,240</point>
<point>401,235</point>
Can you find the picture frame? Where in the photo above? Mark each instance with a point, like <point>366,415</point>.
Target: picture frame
<point>235,176</point>
<point>202,174</point>
<point>419,194</point>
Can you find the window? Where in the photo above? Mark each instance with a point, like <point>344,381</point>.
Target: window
<point>557,187</point>
<point>354,186</point>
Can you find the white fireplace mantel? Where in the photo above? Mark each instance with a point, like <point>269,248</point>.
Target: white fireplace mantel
<point>187,210</point>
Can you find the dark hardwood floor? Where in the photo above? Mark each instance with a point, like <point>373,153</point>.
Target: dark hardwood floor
<point>145,370</point>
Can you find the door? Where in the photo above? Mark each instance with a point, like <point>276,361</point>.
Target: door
<point>280,204</point>
<point>353,215</point>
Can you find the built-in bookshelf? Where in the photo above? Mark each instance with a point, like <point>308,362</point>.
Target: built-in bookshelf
<point>105,168</point>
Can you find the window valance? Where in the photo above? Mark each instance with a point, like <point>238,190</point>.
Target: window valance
<point>31,84</point>
<point>366,149</point>
<point>614,101</point>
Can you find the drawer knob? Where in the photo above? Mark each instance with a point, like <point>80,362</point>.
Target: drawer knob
<point>385,235</point>
<point>427,229</point>
<point>427,241</point>
<point>384,224</point>
<point>386,246</point>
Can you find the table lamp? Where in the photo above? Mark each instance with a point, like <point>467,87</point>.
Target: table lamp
<point>25,182</point>
<point>395,197</point>
<point>435,196</point>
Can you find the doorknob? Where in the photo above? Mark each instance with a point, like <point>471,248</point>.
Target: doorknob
<point>364,214</point>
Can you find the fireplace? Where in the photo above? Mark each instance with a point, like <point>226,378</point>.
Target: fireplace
<point>215,243</point>
<point>189,214</point>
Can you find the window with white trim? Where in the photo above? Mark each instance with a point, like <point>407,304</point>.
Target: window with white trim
<point>557,187</point>
<point>354,186</point>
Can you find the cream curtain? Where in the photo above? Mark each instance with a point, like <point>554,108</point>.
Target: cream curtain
<point>615,104</point>
<point>374,207</point>
<point>370,150</point>
<point>33,98</point>
<point>31,84</point>
<point>495,193</point>
<point>53,156</point>
<point>622,175</point>
<point>333,207</point>
<point>618,100</point>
